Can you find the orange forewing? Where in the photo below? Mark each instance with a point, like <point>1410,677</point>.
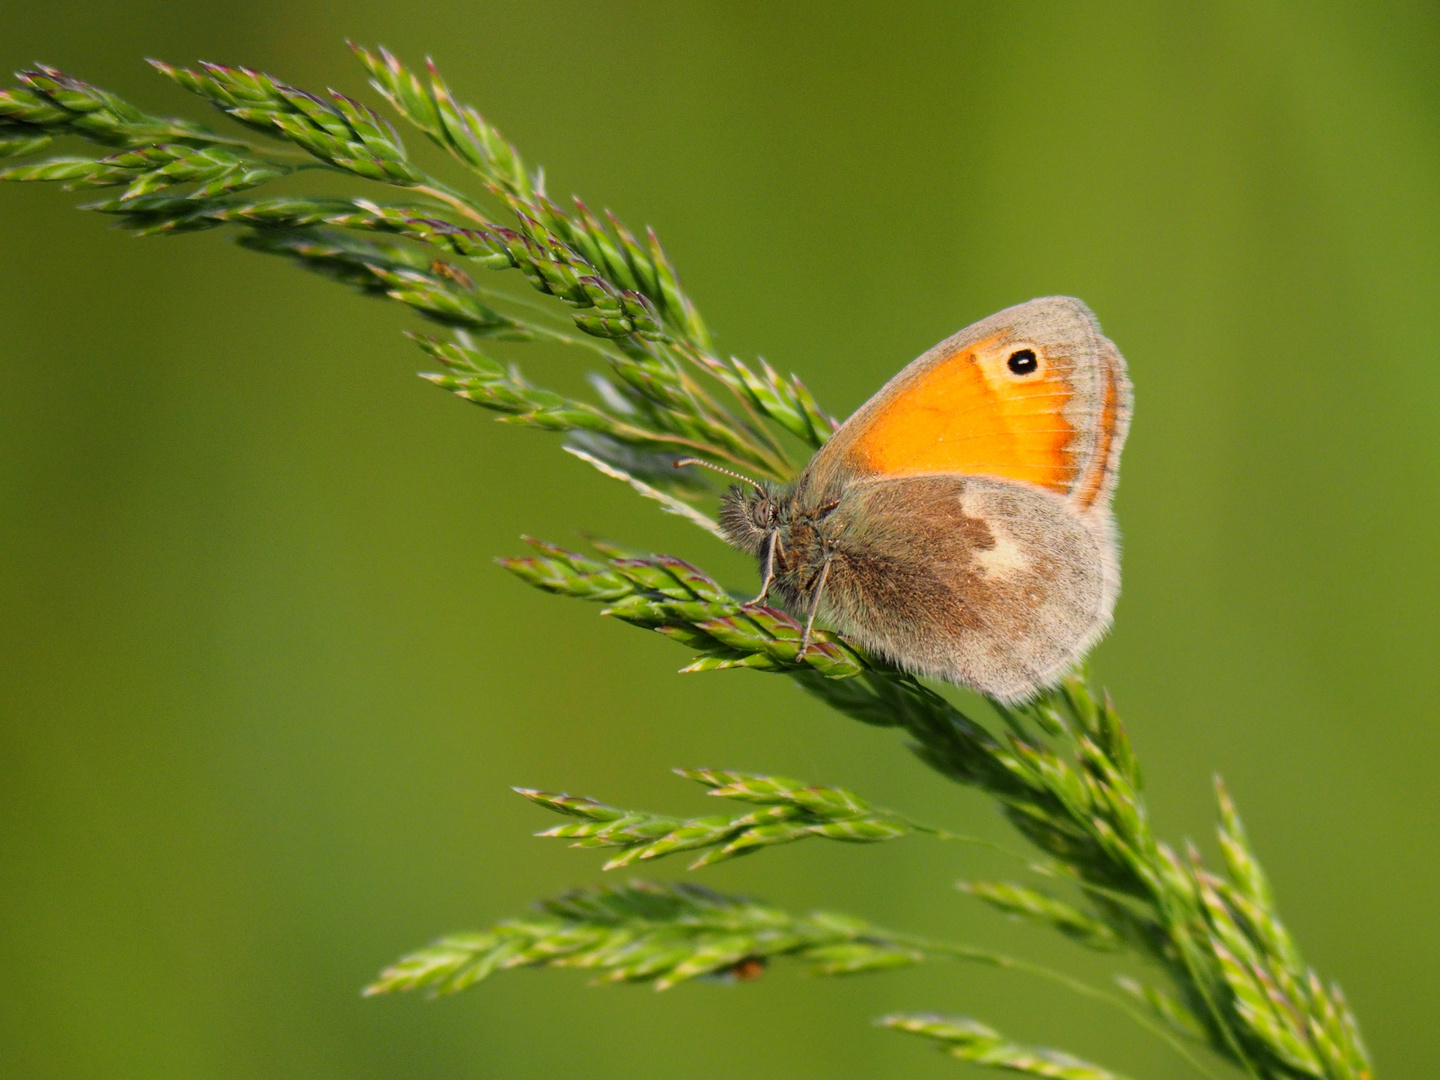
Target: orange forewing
<point>963,416</point>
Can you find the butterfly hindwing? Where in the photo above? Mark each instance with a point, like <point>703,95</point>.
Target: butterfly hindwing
<point>991,584</point>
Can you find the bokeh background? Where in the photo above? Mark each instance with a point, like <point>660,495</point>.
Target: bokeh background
<point>262,691</point>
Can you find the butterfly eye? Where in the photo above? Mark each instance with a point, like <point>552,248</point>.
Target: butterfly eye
<point>1022,361</point>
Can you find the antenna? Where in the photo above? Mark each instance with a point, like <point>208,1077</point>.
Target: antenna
<point>705,464</point>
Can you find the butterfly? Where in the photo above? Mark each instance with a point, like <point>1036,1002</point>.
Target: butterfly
<point>958,524</point>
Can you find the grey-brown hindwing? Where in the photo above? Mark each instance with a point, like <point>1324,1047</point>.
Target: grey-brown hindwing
<point>989,583</point>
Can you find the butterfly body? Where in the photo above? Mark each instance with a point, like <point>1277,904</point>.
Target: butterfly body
<point>958,524</point>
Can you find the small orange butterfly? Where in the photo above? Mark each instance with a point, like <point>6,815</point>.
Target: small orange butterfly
<point>959,523</point>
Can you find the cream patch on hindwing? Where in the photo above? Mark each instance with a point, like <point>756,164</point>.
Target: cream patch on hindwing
<point>1004,557</point>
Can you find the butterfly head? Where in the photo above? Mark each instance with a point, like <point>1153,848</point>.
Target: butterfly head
<point>748,517</point>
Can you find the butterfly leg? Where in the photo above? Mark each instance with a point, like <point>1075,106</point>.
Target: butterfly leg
<point>814,608</point>
<point>769,577</point>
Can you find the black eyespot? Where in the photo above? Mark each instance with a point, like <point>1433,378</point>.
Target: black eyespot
<point>1022,361</point>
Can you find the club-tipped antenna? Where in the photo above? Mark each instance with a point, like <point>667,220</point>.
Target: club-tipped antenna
<point>728,472</point>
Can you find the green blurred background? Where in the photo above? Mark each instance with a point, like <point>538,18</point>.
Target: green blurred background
<point>263,692</point>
